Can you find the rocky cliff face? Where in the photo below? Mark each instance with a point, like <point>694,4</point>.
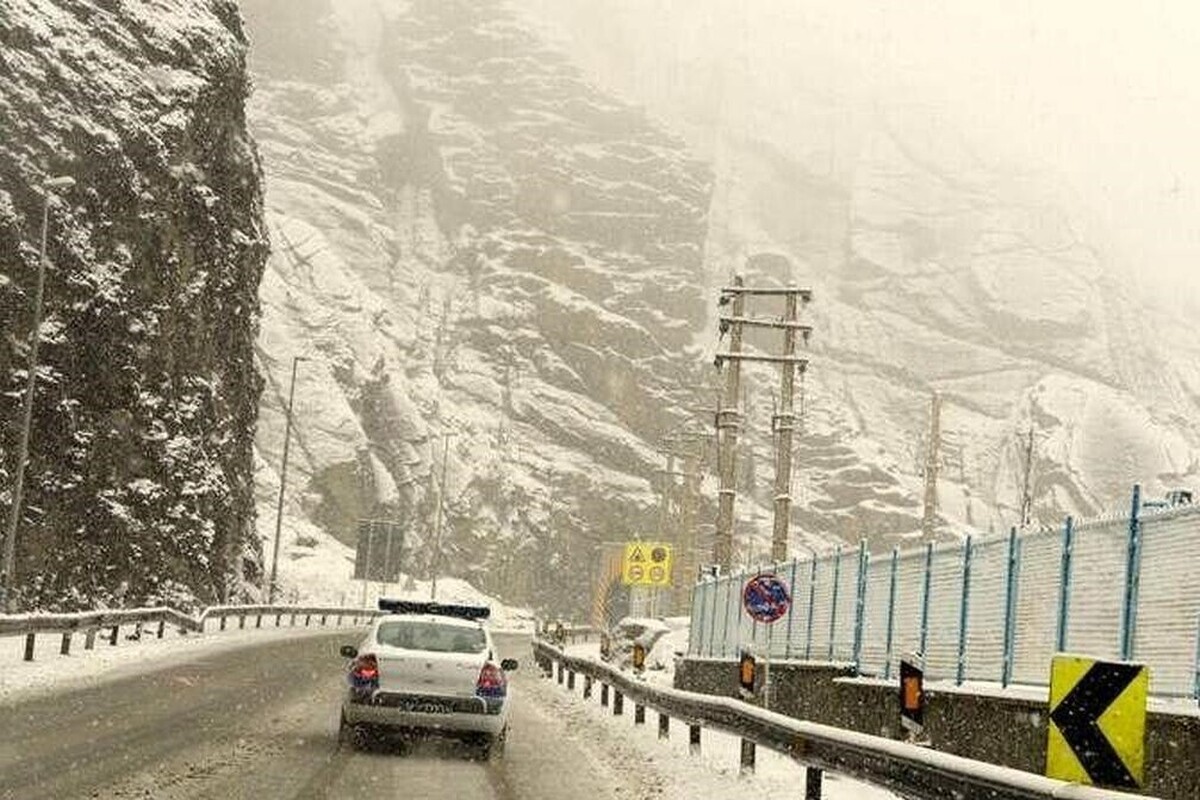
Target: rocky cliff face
<point>139,483</point>
<point>470,239</point>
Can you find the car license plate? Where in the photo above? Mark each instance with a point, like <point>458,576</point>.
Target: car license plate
<point>428,708</point>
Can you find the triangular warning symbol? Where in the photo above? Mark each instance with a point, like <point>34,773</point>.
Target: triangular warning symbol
<point>637,555</point>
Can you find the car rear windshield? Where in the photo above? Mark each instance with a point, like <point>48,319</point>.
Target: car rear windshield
<point>431,636</point>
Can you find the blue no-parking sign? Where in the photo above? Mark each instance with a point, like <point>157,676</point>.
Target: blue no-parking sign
<point>766,597</point>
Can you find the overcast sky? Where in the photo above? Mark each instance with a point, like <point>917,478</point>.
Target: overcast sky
<point>1104,95</point>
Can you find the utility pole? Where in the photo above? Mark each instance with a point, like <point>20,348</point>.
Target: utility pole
<point>287,435</point>
<point>9,567</point>
<point>933,458</point>
<point>784,421</point>
<point>1027,483</point>
<point>436,558</point>
<point>727,422</point>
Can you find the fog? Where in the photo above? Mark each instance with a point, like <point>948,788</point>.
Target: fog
<point>1103,99</point>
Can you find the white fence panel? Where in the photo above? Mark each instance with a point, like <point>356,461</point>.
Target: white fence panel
<point>985,610</point>
<point>1036,623</point>
<point>1097,589</point>
<point>1167,612</point>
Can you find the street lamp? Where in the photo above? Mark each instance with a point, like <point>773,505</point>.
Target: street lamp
<point>8,569</point>
<point>436,556</point>
<point>287,435</point>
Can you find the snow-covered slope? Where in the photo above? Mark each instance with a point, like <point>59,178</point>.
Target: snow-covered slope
<point>468,239</point>
<point>471,237</point>
<point>939,266</point>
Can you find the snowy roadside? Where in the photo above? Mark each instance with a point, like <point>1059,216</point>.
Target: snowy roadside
<point>50,671</point>
<point>665,770</point>
<point>21,680</point>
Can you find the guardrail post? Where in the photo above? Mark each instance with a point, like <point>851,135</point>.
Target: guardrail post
<point>1010,607</point>
<point>926,586</point>
<point>604,695</point>
<point>65,649</point>
<point>891,616</point>
<point>812,783</point>
<point>307,619</point>
<point>833,601</point>
<point>587,687</point>
<point>258,621</point>
<point>278,620</point>
<point>571,680</point>
<point>860,604</point>
<point>112,638</point>
<point>241,622</point>
<point>639,714</point>
<point>89,639</point>
<point>1064,584</point>
<point>324,618</point>
<point>29,646</point>
<point>293,623</point>
<point>618,702</point>
<point>338,622</point>
<point>222,622</point>
<point>961,669</point>
<point>1133,567</point>
<point>812,603</point>
<point>162,628</point>
<point>694,739</point>
<point>746,762</point>
<point>664,726</point>
<point>561,671</point>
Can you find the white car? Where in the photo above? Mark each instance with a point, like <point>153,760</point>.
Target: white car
<point>428,668</point>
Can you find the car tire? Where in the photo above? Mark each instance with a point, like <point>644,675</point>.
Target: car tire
<point>492,746</point>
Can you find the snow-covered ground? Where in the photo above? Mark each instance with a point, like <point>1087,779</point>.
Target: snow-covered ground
<point>21,680</point>
<point>669,772</point>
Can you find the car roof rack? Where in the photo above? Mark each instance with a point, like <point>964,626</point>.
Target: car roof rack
<point>431,607</point>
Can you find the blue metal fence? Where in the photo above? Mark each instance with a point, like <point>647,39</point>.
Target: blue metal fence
<point>993,609</point>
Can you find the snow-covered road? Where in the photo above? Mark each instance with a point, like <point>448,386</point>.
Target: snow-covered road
<point>259,721</point>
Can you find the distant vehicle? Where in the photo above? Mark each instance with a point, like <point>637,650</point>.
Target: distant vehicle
<point>427,668</point>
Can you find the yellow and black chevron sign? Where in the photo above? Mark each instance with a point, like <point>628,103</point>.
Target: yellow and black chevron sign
<point>1097,722</point>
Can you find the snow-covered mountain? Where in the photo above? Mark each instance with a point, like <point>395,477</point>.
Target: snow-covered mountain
<point>471,235</point>
<point>468,239</point>
<point>941,262</point>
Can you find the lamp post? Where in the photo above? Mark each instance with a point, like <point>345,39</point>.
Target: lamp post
<point>436,556</point>
<point>8,569</point>
<point>287,435</point>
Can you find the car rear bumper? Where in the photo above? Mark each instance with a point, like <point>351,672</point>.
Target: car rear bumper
<point>415,712</point>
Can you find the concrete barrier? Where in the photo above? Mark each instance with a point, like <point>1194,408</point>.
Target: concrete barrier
<point>1005,729</point>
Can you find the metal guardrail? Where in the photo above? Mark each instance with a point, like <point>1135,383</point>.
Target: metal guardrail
<point>908,770</point>
<point>111,621</point>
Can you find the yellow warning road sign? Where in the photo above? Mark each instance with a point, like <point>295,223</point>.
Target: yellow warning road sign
<point>646,564</point>
<point>1097,722</point>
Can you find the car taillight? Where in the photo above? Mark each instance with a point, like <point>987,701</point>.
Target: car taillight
<point>492,682</point>
<point>364,673</point>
